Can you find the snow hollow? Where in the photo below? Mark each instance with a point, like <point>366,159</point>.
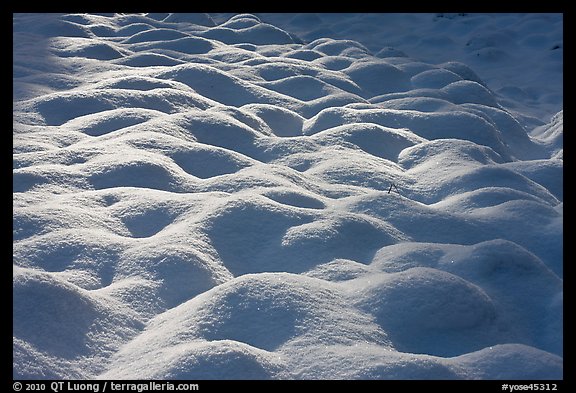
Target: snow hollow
<point>286,197</point>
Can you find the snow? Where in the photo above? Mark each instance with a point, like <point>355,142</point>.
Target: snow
<point>287,196</point>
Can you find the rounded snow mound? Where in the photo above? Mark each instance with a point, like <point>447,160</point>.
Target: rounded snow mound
<point>425,323</point>
<point>251,316</point>
<point>223,359</point>
<point>58,318</point>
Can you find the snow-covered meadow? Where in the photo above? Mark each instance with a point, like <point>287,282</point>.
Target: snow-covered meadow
<point>287,196</point>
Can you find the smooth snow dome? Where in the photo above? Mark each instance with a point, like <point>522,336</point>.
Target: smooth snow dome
<point>287,196</point>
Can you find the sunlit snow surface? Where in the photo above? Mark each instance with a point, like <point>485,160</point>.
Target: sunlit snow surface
<point>217,196</point>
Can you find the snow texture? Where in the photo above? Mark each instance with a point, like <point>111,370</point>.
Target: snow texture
<point>285,196</point>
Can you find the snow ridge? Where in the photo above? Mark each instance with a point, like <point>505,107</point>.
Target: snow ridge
<point>196,199</point>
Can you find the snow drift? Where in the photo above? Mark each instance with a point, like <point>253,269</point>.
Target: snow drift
<point>201,197</point>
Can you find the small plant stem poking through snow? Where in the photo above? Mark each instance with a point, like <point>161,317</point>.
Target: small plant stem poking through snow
<point>396,188</point>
